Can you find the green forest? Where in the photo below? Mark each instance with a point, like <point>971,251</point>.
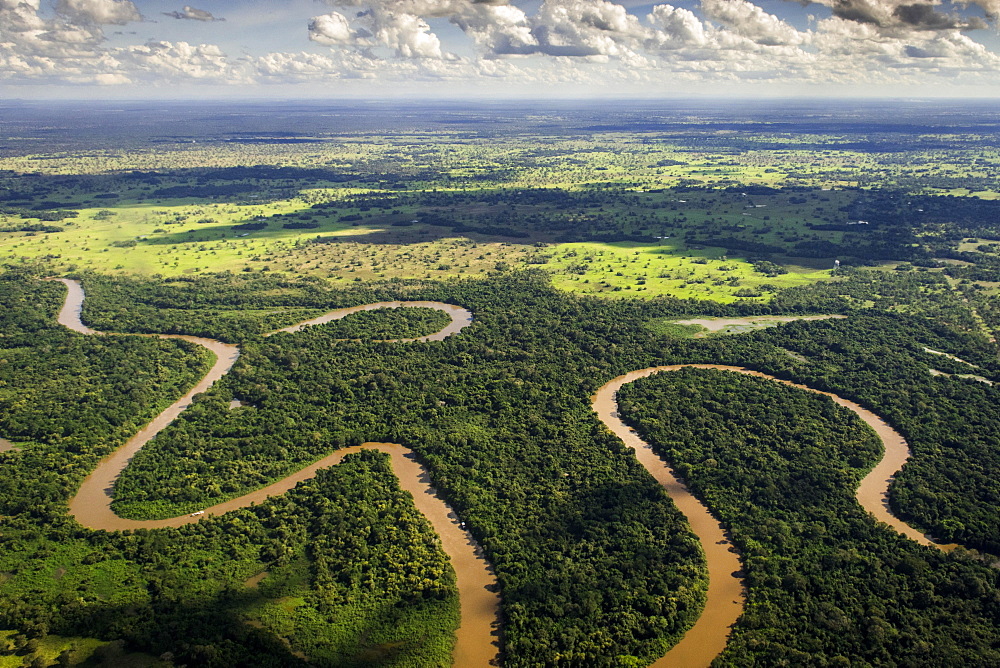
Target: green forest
<point>593,563</point>
<point>827,587</point>
<point>577,240</point>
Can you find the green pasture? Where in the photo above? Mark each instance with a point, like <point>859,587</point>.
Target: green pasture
<point>46,651</point>
<point>132,231</point>
<point>628,269</point>
<point>177,239</point>
<point>668,327</point>
<point>54,650</point>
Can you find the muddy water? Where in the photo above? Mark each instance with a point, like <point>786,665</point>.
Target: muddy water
<point>460,318</point>
<point>719,324</point>
<point>707,638</point>
<point>254,581</point>
<point>479,603</point>
<point>971,376</point>
<point>951,357</point>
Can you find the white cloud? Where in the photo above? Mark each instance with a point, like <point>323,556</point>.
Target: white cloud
<point>391,24</point>
<point>173,61</point>
<point>750,21</point>
<point>15,4</point>
<point>331,29</point>
<point>677,28</point>
<point>497,29</point>
<point>596,43</point>
<point>586,28</point>
<point>192,14</point>
<point>100,12</point>
<point>408,34</point>
<point>111,79</point>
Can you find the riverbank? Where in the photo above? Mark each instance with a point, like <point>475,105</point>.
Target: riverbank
<point>480,604</point>
<point>726,593</point>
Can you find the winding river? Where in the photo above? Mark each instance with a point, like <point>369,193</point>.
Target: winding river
<point>726,595</point>
<point>480,604</point>
<point>476,584</point>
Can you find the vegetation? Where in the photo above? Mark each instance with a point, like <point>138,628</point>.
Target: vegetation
<point>950,423</point>
<point>629,210</point>
<point>542,226</point>
<point>826,585</point>
<point>500,416</point>
<point>669,328</point>
<point>388,323</point>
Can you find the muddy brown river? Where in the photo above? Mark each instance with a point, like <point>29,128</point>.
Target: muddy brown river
<point>479,602</point>
<point>724,604</point>
<point>480,606</point>
<point>460,318</point>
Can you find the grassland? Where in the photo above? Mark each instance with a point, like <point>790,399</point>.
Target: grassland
<point>649,206</point>
<point>649,270</point>
<point>138,241</point>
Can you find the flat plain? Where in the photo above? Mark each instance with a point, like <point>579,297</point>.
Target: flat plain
<point>584,240</point>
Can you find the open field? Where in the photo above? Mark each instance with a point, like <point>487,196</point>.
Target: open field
<point>356,205</point>
<point>648,270</point>
<point>137,241</point>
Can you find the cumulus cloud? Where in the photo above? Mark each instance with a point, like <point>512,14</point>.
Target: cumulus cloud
<point>100,12</point>
<point>717,40</point>
<point>677,28</point>
<point>179,61</point>
<point>562,28</point>
<point>14,4</point>
<point>408,34</point>
<point>20,17</point>
<point>750,21</point>
<point>70,47</point>
<point>498,29</point>
<point>390,24</point>
<point>898,15</point>
<point>331,29</point>
<point>586,28</point>
<point>560,42</point>
<point>190,13</point>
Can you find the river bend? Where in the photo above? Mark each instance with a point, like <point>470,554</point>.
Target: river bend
<point>479,602</point>
<point>726,594</point>
<point>479,605</point>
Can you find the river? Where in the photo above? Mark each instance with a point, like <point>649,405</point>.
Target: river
<point>479,602</point>
<point>460,318</point>
<point>476,583</point>
<point>726,594</point>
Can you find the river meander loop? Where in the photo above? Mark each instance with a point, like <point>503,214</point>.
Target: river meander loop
<point>476,585</point>
<point>480,604</point>
<point>726,594</point>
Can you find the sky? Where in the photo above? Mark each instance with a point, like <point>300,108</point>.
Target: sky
<point>497,49</point>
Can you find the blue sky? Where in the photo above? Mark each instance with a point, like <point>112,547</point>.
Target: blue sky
<point>497,48</point>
